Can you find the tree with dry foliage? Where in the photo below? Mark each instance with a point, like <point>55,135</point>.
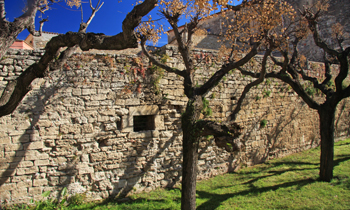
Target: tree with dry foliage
<point>256,27</point>
<point>331,87</point>
<point>17,89</point>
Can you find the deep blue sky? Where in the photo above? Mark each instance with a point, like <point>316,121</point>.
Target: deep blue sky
<point>108,19</point>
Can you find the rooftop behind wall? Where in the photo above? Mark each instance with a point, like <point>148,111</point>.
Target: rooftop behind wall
<point>76,128</point>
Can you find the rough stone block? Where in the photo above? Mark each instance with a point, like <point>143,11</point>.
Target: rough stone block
<point>87,128</point>
<point>53,180</point>
<point>13,147</point>
<point>107,112</point>
<point>122,111</point>
<point>35,191</point>
<point>159,122</point>
<point>114,155</point>
<point>25,164</point>
<point>40,182</point>
<point>5,196</point>
<point>97,157</point>
<point>132,101</point>
<point>140,135</point>
<point>7,187</point>
<point>88,91</point>
<point>5,140</point>
<point>33,145</point>
<point>24,171</point>
<point>84,169</point>
<point>41,162</point>
<point>45,123</point>
<point>19,193</point>
<point>98,97</point>
<point>74,129</point>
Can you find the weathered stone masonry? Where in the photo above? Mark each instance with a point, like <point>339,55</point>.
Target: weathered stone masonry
<point>76,128</point>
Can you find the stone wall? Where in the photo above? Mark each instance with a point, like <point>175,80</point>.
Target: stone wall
<point>76,128</point>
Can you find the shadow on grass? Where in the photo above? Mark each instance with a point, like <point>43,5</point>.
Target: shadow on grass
<point>342,143</point>
<point>215,200</point>
<point>341,158</point>
<point>269,167</point>
<point>147,203</point>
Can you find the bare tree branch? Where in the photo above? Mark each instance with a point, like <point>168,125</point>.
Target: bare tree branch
<point>296,87</point>
<point>183,49</point>
<point>311,18</point>
<point>34,32</point>
<point>343,71</point>
<point>250,85</point>
<point>157,63</point>
<point>211,83</point>
<point>243,4</point>
<point>94,10</point>
<point>83,26</point>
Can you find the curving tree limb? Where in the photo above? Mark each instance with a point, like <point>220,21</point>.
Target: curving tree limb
<point>250,85</point>
<point>17,89</point>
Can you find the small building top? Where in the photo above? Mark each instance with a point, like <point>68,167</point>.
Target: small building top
<point>21,44</point>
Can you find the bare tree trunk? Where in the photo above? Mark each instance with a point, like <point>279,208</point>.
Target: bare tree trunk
<point>327,117</point>
<point>189,171</point>
<point>190,156</point>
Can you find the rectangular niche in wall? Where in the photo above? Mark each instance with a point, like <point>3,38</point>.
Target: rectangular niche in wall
<point>144,123</point>
<point>143,118</point>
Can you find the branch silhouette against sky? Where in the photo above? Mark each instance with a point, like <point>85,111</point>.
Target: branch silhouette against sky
<point>62,18</point>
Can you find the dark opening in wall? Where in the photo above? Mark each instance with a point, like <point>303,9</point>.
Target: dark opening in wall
<point>120,124</point>
<point>144,123</point>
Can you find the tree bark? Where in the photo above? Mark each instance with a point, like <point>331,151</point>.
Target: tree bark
<point>190,154</point>
<point>189,170</point>
<point>327,118</point>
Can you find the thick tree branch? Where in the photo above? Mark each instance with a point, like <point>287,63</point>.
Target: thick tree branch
<point>133,19</point>
<point>250,85</point>
<point>296,87</point>
<point>343,71</point>
<point>183,49</point>
<point>191,28</point>
<point>10,30</point>
<point>316,84</point>
<point>224,134</point>
<point>17,89</point>
<point>211,83</point>
<point>294,83</point>
<point>311,18</point>
<point>82,29</point>
<point>327,72</point>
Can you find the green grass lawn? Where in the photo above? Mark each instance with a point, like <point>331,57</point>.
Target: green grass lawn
<point>287,183</point>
